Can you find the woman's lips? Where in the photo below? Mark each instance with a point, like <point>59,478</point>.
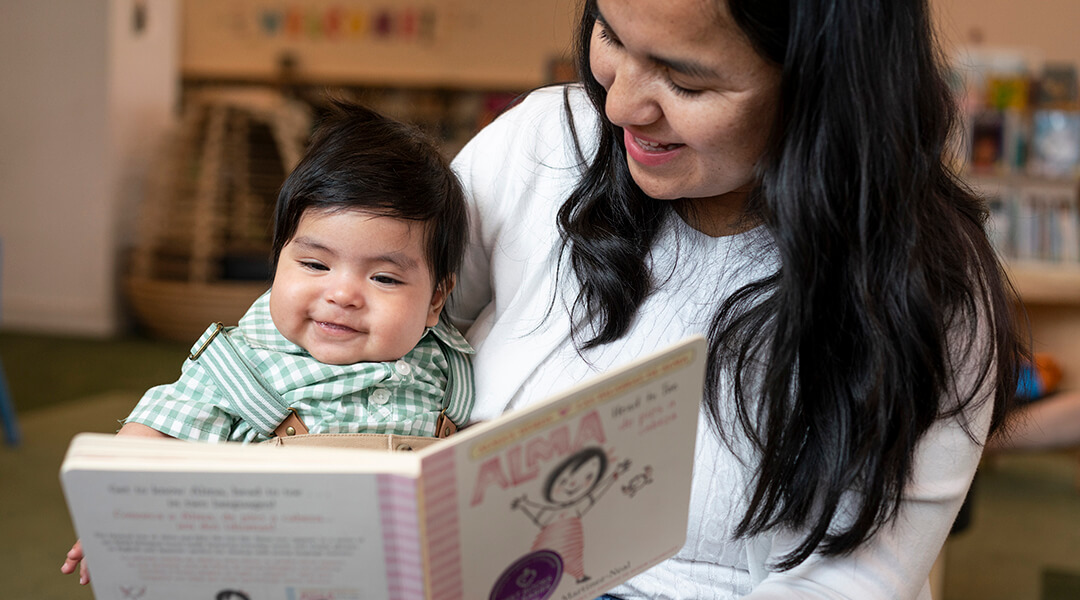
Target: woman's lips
<point>649,152</point>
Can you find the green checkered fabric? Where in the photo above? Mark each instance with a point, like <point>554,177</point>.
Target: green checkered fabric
<point>402,397</point>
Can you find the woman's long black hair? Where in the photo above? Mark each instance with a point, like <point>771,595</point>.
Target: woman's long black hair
<point>885,268</point>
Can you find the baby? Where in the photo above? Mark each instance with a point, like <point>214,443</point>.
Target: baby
<point>369,231</point>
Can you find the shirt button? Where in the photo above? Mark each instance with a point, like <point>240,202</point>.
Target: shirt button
<point>380,396</point>
<point>403,368</point>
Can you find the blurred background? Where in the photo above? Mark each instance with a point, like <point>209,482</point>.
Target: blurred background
<point>142,143</point>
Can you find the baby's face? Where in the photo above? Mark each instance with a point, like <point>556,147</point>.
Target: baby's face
<point>352,287</point>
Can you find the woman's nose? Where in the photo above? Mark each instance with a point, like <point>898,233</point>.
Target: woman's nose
<point>630,98</point>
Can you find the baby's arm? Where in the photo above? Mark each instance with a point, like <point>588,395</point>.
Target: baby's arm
<point>140,430</point>
<point>75,555</point>
<point>75,559</point>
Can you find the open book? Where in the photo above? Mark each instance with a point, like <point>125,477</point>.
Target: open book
<point>564,499</point>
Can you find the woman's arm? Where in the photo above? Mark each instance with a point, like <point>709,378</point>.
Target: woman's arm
<point>895,563</point>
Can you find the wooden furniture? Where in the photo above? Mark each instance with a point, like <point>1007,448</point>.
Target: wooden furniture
<point>204,229</point>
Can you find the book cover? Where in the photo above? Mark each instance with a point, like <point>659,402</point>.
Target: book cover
<point>564,499</point>
<point>1058,87</point>
<point>1055,143</point>
<point>1047,221</point>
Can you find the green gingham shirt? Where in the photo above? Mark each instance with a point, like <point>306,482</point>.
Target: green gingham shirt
<point>402,397</point>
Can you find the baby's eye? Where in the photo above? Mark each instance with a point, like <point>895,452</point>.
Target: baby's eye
<point>313,265</point>
<point>385,280</point>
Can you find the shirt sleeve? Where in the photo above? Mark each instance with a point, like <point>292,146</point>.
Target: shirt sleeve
<point>474,166</point>
<point>189,409</point>
<point>516,172</point>
<point>896,561</point>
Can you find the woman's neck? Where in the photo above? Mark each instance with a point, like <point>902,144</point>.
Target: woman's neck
<point>717,216</point>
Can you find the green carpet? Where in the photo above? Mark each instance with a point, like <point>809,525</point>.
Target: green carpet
<point>1058,585</point>
<point>46,370</point>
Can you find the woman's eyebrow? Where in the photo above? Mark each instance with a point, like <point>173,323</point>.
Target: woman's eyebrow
<point>689,68</point>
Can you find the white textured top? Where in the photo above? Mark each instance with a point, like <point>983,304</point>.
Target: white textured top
<point>517,172</point>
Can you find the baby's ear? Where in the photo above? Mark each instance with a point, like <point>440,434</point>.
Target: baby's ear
<point>438,299</point>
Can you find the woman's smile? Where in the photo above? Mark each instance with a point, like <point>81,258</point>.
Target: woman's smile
<point>647,152</point>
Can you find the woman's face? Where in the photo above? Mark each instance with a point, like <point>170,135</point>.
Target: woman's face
<point>695,101</point>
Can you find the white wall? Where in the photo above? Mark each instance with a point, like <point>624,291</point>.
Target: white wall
<point>1047,30</point>
<point>83,96</point>
<point>470,43</point>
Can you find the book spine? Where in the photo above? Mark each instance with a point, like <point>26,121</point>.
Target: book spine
<point>441,526</point>
<point>399,509</point>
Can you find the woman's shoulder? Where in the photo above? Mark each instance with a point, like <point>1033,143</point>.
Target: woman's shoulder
<point>547,121</point>
<point>550,100</point>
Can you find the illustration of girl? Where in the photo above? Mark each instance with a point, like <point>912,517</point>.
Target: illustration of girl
<point>571,490</point>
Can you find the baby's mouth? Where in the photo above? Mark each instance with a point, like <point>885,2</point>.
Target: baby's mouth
<point>336,327</point>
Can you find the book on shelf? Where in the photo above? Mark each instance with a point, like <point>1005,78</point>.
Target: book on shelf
<point>563,499</point>
<point>1046,223</point>
<point>1055,143</point>
<point>1031,218</point>
<point>1058,87</point>
<point>998,141</point>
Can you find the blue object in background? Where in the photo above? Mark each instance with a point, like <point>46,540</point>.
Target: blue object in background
<point>8,418</point>
<point>7,411</point>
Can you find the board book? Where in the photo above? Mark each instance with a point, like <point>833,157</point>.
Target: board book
<point>563,499</point>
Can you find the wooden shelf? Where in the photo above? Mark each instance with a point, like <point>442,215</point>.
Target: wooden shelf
<point>1042,283</point>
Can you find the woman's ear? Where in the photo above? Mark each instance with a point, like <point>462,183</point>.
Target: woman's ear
<point>438,299</point>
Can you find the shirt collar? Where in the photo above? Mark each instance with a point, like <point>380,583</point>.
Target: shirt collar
<point>450,336</point>
<point>258,330</point>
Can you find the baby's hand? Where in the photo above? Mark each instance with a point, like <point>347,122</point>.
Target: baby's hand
<point>75,559</point>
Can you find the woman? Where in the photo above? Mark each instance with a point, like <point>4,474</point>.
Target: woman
<point>770,174</point>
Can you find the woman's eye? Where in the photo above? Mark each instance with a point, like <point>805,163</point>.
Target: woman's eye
<point>608,37</point>
<point>678,89</point>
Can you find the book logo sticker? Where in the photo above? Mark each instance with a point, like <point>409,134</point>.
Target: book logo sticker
<point>533,577</point>
<point>572,488</point>
<point>133,592</point>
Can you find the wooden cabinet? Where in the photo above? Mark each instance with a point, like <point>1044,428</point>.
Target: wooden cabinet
<point>1051,298</point>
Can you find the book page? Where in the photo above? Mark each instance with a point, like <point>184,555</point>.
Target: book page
<point>568,498</point>
<point>242,534</point>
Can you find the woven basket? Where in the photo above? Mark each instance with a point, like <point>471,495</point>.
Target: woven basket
<point>204,228</point>
<point>181,311</point>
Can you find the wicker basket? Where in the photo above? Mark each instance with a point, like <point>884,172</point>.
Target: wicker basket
<point>203,238</point>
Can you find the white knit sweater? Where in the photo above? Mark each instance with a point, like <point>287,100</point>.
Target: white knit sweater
<point>517,172</point>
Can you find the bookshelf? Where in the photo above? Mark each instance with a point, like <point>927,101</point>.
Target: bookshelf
<point>1048,283</point>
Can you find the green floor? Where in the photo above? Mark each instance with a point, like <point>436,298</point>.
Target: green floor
<point>1023,542</point>
<point>48,370</point>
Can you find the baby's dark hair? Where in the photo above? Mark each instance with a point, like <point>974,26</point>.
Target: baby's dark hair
<point>361,160</point>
